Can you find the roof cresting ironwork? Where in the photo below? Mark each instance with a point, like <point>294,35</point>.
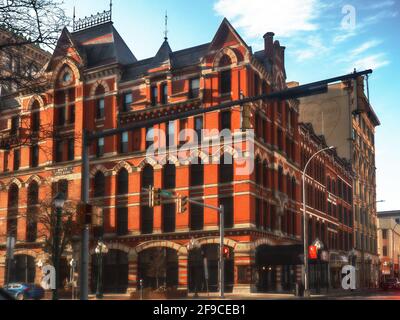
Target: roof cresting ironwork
<point>93,20</point>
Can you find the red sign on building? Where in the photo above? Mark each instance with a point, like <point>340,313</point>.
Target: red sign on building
<point>312,253</point>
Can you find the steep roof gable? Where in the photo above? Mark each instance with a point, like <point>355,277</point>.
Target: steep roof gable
<point>227,34</point>
<point>66,46</point>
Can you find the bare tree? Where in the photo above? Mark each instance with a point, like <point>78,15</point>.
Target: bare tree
<point>157,268</point>
<point>27,24</point>
<point>46,220</point>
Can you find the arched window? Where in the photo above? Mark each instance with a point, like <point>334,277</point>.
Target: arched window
<point>147,176</point>
<point>35,116</point>
<point>12,214</point>
<point>226,169</point>
<point>225,61</point>
<point>169,176</point>
<point>288,186</point>
<point>197,174</point>
<point>225,83</point>
<point>147,213</point>
<point>280,179</point>
<point>122,211</point>
<point>100,102</point>
<point>33,201</point>
<point>122,182</point>
<point>265,174</point>
<point>294,188</point>
<point>258,171</point>
<point>99,185</point>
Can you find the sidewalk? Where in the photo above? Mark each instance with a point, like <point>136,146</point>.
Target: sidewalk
<point>333,293</point>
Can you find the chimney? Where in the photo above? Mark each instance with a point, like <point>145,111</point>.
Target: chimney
<point>269,44</point>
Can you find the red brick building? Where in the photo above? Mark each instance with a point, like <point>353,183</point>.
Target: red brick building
<point>96,83</point>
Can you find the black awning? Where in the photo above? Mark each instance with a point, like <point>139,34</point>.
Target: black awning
<point>279,255</point>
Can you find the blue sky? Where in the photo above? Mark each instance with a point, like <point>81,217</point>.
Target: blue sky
<point>323,39</point>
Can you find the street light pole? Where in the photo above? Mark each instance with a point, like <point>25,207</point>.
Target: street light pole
<point>221,254</point>
<point>84,263</point>
<point>58,204</point>
<point>305,234</point>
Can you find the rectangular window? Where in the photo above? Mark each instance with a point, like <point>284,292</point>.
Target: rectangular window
<point>14,125</point>
<point>124,142</point>
<point>35,121</point>
<point>61,116</point>
<point>17,159</point>
<point>128,99</point>
<point>168,218</point>
<point>385,251</point>
<point>100,147</point>
<point>170,137</point>
<point>198,127</point>
<point>71,149</point>
<point>100,108</point>
<point>164,94</point>
<point>196,219</point>
<point>154,95</point>
<point>194,88</point>
<point>149,137</point>
<point>183,125</point>
<point>71,114</point>
<point>226,82</point>
<point>384,234</point>
<point>5,160</point>
<point>226,120</point>
<point>34,156</point>
<point>122,221</point>
<point>59,151</point>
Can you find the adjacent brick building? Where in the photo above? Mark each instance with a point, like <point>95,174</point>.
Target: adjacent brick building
<point>347,120</point>
<point>96,83</point>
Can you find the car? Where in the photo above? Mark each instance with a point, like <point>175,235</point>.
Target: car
<point>4,295</point>
<point>25,291</point>
<point>391,284</point>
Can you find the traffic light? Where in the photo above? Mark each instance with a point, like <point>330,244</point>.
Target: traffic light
<point>85,212</point>
<point>97,217</point>
<point>181,204</point>
<point>226,253</point>
<point>157,197</point>
<point>154,197</point>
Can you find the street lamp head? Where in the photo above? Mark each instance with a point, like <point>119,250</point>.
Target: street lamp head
<point>59,200</point>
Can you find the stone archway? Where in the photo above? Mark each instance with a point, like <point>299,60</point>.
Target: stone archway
<point>161,263</point>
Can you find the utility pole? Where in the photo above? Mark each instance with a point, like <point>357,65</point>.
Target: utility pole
<point>84,263</point>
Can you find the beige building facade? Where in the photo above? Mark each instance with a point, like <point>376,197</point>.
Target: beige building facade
<point>389,243</point>
<point>348,122</point>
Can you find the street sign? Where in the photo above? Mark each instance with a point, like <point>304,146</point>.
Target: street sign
<point>313,253</point>
<point>318,244</point>
<point>325,256</point>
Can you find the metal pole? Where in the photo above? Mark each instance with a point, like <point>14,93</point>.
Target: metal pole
<point>57,251</point>
<point>221,254</point>
<point>84,265</point>
<point>305,240</point>
<point>305,236</point>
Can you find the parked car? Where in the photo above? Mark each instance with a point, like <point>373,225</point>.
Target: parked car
<point>391,284</point>
<point>4,295</point>
<point>25,291</point>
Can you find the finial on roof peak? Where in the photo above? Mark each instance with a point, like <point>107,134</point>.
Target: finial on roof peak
<point>166,26</point>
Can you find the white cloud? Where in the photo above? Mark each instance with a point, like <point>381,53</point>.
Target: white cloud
<point>284,17</point>
<point>382,4</point>
<point>313,47</point>
<point>371,62</point>
<point>364,47</point>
